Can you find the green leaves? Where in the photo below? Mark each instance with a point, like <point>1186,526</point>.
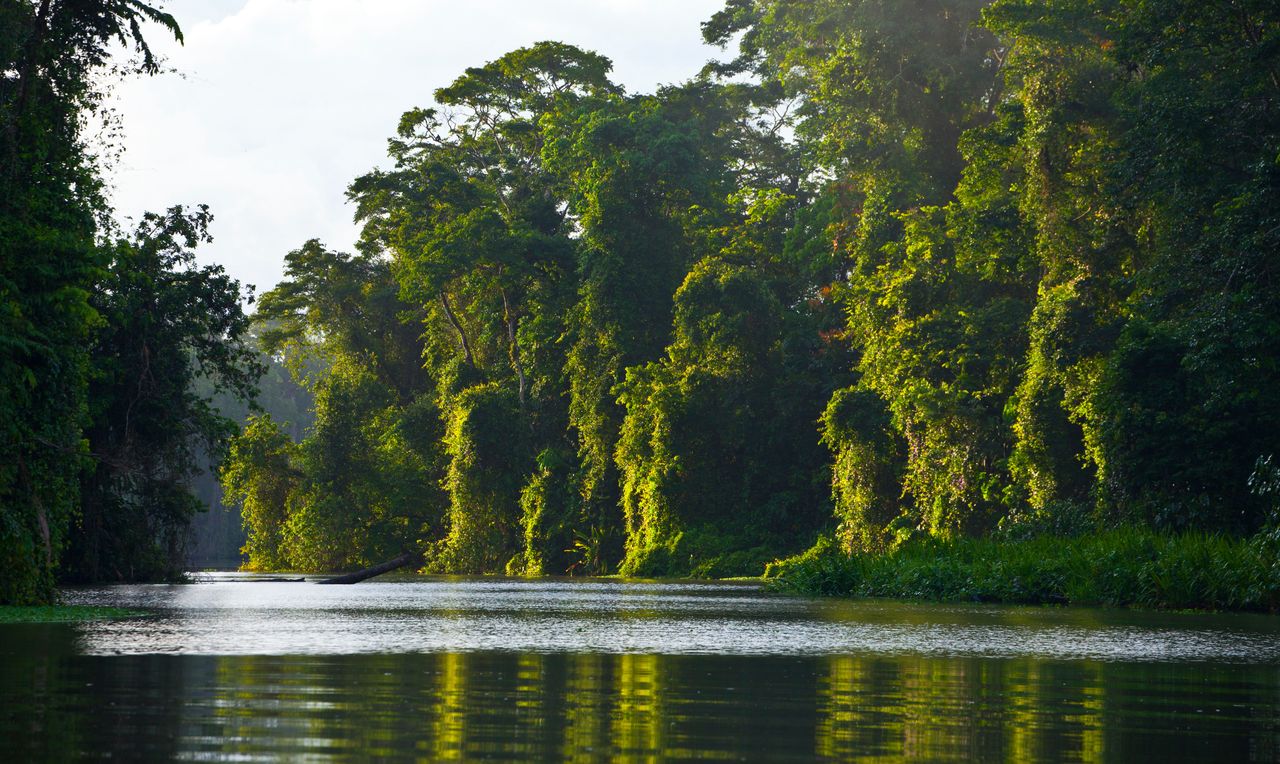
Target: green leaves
<point>1008,262</point>
<point>166,324</point>
<point>51,212</point>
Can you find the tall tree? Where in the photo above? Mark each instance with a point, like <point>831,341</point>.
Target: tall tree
<point>1149,152</point>
<point>50,210</point>
<point>362,483</point>
<point>165,324</point>
<point>478,230</point>
<point>648,174</point>
<point>885,94</point>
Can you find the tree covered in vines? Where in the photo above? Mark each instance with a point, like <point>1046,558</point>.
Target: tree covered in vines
<point>941,267</point>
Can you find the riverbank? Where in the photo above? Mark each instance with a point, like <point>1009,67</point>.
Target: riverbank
<point>1117,568</point>
<point>62,613</point>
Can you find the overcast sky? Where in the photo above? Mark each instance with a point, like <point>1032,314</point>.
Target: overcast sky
<point>281,103</point>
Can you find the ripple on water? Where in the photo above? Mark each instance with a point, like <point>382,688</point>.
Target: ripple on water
<point>233,615</point>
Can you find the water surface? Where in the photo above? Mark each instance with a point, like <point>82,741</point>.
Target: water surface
<point>233,669</point>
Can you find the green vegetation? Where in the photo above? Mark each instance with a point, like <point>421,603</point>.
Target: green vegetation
<point>63,613</point>
<point>1121,567</point>
<point>956,271</point>
<point>103,333</point>
<point>977,268</point>
<point>165,324</point>
<point>573,340</point>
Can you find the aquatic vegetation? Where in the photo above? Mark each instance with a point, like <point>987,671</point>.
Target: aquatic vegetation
<point>63,613</point>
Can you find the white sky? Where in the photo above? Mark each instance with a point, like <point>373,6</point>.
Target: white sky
<point>281,103</point>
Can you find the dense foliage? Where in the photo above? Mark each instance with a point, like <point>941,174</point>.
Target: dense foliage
<point>102,334</point>
<point>554,278</point>
<point>903,274</point>
<point>938,268</point>
<point>165,323</point>
<point>1123,567</point>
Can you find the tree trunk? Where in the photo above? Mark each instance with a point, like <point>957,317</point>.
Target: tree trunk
<point>408,558</point>
<point>26,71</point>
<point>513,347</point>
<point>457,326</point>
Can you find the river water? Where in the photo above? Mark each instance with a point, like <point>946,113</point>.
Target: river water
<point>232,668</point>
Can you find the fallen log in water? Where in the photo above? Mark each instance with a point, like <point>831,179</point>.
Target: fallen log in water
<point>408,558</point>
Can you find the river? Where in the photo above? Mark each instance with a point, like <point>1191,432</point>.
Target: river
<point>233,669</point>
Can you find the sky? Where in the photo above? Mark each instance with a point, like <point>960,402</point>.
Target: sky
<point>278,104</point>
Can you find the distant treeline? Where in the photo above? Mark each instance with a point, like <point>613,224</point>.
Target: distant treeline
<point>941,268</point>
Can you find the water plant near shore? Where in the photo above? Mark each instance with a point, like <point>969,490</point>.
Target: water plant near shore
<point>1121,567</point>
<point>63,613</point>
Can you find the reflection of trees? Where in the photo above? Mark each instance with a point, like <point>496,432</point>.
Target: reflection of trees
<point>55,705</point>
<point>449,722</point>
<point>1029,710</point>
<point>637,722</point>
<point>912,707</point>
<point>34,679</point>
<point>586,728</point>
<point>840,729</point>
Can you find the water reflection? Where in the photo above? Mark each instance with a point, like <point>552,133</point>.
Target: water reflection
<point>247,618</point>
<point>467,706</point>
<point>778,692</point>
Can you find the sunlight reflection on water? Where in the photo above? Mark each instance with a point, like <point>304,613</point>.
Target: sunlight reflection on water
<point>432,669</point>
<point>232,615</point>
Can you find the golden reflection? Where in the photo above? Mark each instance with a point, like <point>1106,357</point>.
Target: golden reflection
<point>1093,707</point>
<point>449,730</point>
<point>842,728</point>
<point>530,681</point>
<point>1021,680</point>
<point>586,734</point>
<point>637,724</point>
<point>926,708</point>
<point>590,707</point>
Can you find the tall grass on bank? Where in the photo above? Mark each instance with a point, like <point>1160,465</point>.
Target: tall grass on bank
<point>1123,567</point>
